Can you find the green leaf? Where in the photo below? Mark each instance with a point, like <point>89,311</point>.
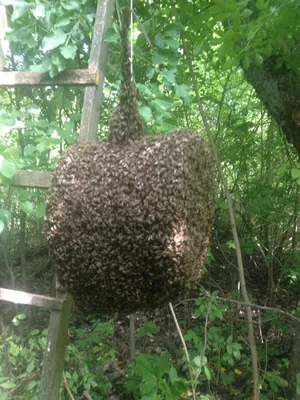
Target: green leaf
<point>207,372</point>
<point>27,207</point>
<point>146,113</point>
<point>246,13</point>
<point>158,58</point>
<point>5,215</point>
<point>69,52</point>
<point>13,349</point>
<point>111,36</point>
<point>7,385</point>
<point>298,383</point>
<point>53,41</point>
<point>295,173</point>
<point>159,40</point>
<point>30,367</point>
<point>40,210</point>
<point>197,361</point>
<point>246,62</point>
<point>228,64</point>
<point>20,10</point>
<point>173,375</point>
<point>174,29</point>
<point>169,75</point>
<point>259,60</point>
<point>182,91</point>
<point>172,43</point>
<point>7,168</point>
<point>29,150</point>
<point>62,22</point>
<point>71,4</point>
<point>2,226</point>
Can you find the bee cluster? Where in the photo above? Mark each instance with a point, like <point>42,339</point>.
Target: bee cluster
<point>128,219</point>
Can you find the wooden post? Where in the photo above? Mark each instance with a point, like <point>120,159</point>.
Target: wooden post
<point>3,28</point>
<point>98,60</point>
<point>55,351</point>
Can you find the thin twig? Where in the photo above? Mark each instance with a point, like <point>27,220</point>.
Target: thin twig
<point>27,379</point>
<point>184,348</point>
<point>68,387</point>
<point>244,290</point>
<point>142,28</point>
<point>253,305</point>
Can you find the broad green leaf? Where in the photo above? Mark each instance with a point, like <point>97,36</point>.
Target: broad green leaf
<point>174,44</point>
<point>182,91</point>
<point>111,36</point>
<point>7,385</point>
<point>229,63</point>
<point>259,60</point>
<point>246,62</point>
<point>71,4</point>
<point>13,349</point>
<point>5,215</point>
<point>69,52</point>
<point>197,361</point>
<point>207,372</point>
<point>20,10</point>
<point>27,207</point>
<point>62,22</point>
<point>158,58</point>
<point>29,150</point>
<point>40,210</point>
<point>43,144</point>
<point>7,168</point>
<point>31,385</point>
<point>146,113</point>
<point>174,29</point>
<point>169,75</point>
<point>173,375</point>
<point>298,383</point>
<point>53,41</point>
<point>159,40</point>
<point>246,13</point>
<point>21,316</point>
<point>30,367</point>
<point>295,173</point>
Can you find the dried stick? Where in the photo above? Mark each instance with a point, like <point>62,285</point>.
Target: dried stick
<point>184,348</point>
<point>68,387</point>
<point>243,303</point>
<point>251,337</point>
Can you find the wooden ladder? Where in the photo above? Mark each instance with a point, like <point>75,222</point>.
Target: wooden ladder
<point>92,79</point>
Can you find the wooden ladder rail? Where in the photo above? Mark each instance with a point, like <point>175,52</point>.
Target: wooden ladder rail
<point>93,79</point>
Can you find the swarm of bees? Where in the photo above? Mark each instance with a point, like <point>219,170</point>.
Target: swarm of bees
<point>128,219</point>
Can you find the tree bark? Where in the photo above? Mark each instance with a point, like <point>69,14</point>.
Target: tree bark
<point>279,90</point>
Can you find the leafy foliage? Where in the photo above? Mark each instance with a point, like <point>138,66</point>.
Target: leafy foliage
<point>262,170</point>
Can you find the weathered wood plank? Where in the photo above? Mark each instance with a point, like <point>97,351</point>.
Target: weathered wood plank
<point>19,297</point>
<point>3,28</point>
<point>98,60</point>
<point>77,77</point>
<point>55,351</point>
<point>32,179</point>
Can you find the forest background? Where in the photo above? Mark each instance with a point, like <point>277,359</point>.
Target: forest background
<point>229,65</point>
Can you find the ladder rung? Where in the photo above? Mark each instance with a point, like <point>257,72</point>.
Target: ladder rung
<point>32,179</point>
<point>18,297</point>
<point>77,77</point>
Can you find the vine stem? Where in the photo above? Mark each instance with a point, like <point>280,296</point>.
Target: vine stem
<point>184,348</point>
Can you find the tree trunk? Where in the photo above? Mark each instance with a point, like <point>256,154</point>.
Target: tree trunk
<point>294,367</point>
